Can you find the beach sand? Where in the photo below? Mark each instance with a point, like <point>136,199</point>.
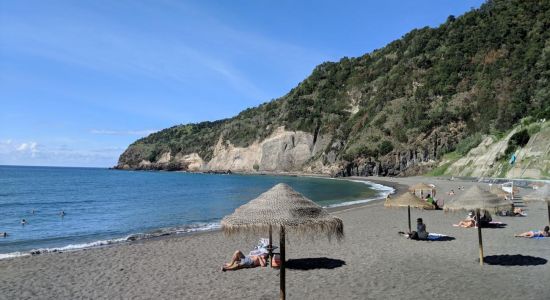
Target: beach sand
<point>373,262</point>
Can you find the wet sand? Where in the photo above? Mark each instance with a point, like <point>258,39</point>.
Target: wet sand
<point>373,262</point>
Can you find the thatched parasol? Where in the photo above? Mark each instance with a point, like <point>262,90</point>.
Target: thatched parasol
<point>479,199</point>
<point>422,187</point>
<point>408,200</point>
<point>282,207</point>
<point>541,194</point>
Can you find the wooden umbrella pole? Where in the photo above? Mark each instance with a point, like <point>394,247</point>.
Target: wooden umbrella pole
<point>479,237</point>
<point>282,275</point>
<point>270,247</point>
<point>409,213</point>
<point>548,203</point>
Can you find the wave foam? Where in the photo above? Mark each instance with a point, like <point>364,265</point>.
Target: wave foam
<point>383,192</point>
<point>133,237</point>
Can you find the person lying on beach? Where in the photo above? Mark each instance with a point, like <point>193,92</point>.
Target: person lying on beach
<point>469,222</point>
<point>516,212</point>
<point>538,233</point>
<point>519,212</point>
<point>241,261</point>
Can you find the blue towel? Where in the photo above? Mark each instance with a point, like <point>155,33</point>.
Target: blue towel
<point>435,236</point>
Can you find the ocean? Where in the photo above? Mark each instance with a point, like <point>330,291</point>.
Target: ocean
<point>104,206</point>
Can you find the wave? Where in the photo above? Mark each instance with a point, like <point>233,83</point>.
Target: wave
<point>383,192</point>
<point>175,230</point>
<point>133,237</point>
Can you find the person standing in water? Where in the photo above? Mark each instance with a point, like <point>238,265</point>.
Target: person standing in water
<point>62,214</point>
<point>23,222</point>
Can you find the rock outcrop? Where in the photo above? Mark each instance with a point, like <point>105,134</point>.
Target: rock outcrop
<point>282,151</point>
<point>488,159</point>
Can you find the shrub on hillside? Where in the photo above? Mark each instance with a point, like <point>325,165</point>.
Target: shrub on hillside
<point>467,144</point>
<point>385,147</point>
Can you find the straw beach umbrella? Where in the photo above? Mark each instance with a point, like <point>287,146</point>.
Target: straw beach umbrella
<point>282,208</point>
<point>541,194</point>
<point>421,189</point>
<point>408,200</point>
<point>478,199</point>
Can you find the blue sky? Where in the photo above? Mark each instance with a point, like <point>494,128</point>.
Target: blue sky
<point>81,80</point>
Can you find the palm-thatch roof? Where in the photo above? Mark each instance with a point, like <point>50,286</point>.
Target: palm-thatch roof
<point>421,186</point>
<point>541,194</point>
<point>283,206</point>
<point>408,199</point>
<point>478,198</point>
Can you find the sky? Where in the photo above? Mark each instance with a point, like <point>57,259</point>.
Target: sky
<point>81,80</point>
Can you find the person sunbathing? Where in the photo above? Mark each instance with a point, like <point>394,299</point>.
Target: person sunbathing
<point>241,261</point>
<point>533,234</point>
<point>469,222</point>
<point>519,212</point>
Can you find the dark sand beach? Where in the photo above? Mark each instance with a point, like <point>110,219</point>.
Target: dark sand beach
<point>373,262</point>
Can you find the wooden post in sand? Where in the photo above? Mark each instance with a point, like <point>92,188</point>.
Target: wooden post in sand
<point>282,294</point>
<point>270,246</point>
<point>409,212</point>
<point>548,203</point>
<point>479,236</point>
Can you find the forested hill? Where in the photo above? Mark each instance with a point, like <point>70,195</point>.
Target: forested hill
<point>394,111</point>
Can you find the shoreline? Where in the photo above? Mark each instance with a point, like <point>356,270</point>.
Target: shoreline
<point>192,229</point>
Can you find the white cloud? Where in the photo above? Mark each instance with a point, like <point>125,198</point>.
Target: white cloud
<point>30,147</point>
<point>33,153</point>
<point>123,132</point>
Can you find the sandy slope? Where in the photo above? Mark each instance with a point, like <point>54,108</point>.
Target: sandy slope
<point>372,263</point>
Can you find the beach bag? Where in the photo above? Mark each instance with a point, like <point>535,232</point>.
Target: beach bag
<point>276,261</point>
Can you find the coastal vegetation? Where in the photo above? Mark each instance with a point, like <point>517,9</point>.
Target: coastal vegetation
<point>432,92</point>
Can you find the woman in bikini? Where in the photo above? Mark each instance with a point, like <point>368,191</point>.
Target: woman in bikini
<point>538,233</point>
<point>241,261</point>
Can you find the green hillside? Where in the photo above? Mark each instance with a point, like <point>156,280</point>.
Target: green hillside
<point>402,105</point>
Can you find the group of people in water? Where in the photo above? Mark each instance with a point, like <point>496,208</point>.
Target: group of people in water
<point>24,222</point>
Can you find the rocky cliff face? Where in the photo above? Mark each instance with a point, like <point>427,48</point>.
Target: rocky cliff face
<point>420,156</point>
<point>488,159</point>
<point>282,151</point>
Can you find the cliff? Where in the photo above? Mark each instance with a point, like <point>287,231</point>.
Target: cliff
<point>395,111</point>
<point>493,156</point>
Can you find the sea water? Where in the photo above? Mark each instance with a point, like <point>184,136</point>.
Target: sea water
<point>104,206</point>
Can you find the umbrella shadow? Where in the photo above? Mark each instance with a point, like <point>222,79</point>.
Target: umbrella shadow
<point>514,260</point>
<point>443,239</point>
<point>306,264</point>
<point>494,226</point>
